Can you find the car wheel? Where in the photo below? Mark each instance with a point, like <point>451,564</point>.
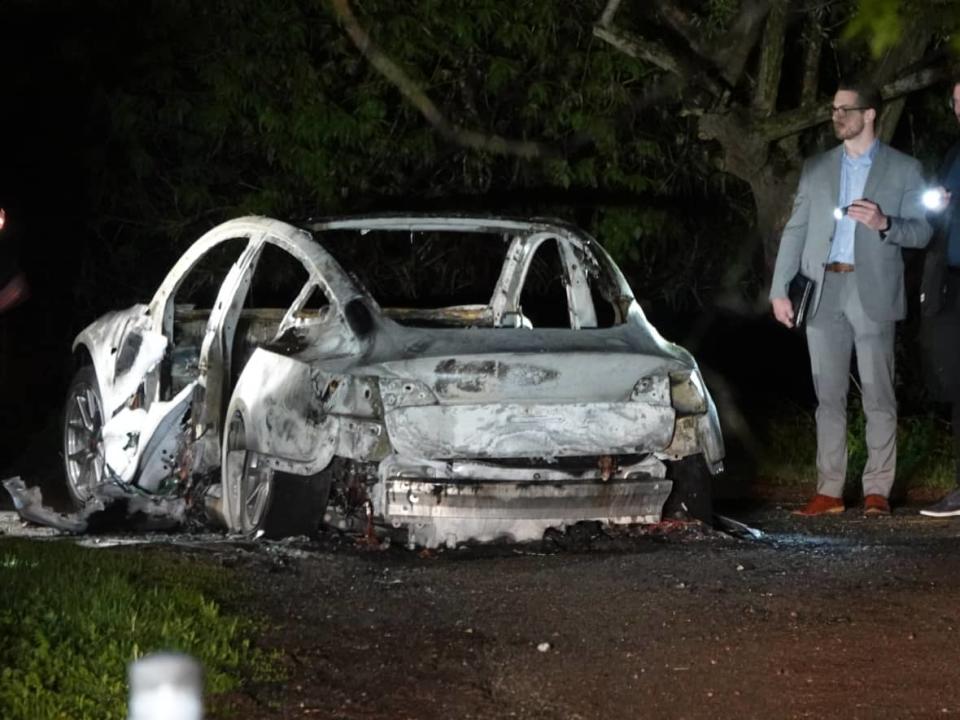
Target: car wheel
<point>259,499</point>
<point>83,453</point>
<point>692,494</point>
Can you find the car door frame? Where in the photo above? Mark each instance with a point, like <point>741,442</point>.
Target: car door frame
<point>520,255</point>
<point>207,399</point>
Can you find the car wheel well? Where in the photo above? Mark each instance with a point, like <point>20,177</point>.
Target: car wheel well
<point>81,357</point>
<point>294,504</point>
<point>692,494</point>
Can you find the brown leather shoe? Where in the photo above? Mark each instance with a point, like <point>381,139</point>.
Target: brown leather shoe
<point>874,505</point>
<point>821,505</point>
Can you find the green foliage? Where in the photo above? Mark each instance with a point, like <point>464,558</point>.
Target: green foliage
<point>789,449</point>
<point>924,451</point>
<point>882,23</point>
<point>223,108</point>
<point>879,22</point>
<point>716,15</point>
<point>72,618</point>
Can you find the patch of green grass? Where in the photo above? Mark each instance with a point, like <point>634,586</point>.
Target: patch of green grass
<point>72,618</point>
<point>924,450</point>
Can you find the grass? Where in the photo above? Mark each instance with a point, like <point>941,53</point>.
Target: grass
<point>924,451</point>
<point>72,618</point>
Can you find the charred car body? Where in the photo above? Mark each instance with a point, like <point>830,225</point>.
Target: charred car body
<point>285,391</point>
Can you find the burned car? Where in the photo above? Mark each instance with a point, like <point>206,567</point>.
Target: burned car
<point>457,378</point>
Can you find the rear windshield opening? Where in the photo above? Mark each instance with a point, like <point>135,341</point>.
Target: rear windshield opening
<point>424,278</point>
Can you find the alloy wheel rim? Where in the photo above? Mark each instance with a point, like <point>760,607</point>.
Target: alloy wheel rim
<point>84,441</point>
<point>254,483</point>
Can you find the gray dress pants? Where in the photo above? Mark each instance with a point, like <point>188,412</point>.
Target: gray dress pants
<point>840,325</point>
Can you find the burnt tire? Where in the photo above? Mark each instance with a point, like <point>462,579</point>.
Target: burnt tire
<point>262,501</point>
<point>692,494</point>
<point>82,435</point>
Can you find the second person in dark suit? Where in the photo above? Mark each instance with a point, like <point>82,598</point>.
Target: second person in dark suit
<point>940,310</point>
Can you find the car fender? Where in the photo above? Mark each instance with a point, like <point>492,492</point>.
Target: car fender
<point>103,340</point>
<point>284,418</point>
<point>711,437</point>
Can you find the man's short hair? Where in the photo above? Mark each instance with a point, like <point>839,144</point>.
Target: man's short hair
<point>868,94</point>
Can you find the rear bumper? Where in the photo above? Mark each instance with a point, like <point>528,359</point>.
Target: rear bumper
<point>616,501</point>
<point>451,503</point>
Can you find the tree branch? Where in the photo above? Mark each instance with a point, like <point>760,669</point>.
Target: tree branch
<point>637,47</point>
<point>793,121</point>
<point>771,60</point>
<point>917,31</point>
<point>811,60</point>
<point>472,139</point>
<point>727,53</point>
<point>744,152</point>
<point>679,20</point>
<point>731,50</point>
<point>606,18</point>
<point>658,54</point>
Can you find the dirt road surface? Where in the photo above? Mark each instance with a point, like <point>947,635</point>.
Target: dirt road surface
<point>841,617</point>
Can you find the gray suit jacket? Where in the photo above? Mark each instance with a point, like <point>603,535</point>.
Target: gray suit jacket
<point>895,183</point>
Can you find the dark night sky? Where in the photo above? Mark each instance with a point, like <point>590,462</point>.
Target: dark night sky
<point>51,63</point>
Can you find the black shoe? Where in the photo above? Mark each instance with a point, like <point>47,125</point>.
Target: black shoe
<point>949,506</point>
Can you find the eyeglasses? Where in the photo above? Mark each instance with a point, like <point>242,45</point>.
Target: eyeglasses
<point>842,111</point>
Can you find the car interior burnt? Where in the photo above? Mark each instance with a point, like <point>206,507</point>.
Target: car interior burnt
<point>277,280</point>
<point>193,301</point>
<point>128,351</point>
<point>421,278</point>
<point>543,301</point>
<point>358,317</point>
<point>608,311</point>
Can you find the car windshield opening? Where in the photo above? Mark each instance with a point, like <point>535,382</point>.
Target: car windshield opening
<point>424,278</point>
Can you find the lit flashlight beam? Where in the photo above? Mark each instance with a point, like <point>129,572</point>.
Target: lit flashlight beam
<point>934,199</point>
<point>3,218</point>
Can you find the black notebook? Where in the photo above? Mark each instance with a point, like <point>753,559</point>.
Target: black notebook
<point>800,291</point>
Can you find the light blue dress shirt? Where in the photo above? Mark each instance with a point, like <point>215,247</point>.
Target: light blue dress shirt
<point>853,178</point>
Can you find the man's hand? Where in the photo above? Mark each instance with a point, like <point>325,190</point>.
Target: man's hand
<point>869,213</point>
<point>783,311</point>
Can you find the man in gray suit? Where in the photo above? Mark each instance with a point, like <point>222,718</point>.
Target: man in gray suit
<point>856,206</point>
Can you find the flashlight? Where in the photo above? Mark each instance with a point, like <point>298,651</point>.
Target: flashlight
<point>839,212</point>
<point>934,199</point>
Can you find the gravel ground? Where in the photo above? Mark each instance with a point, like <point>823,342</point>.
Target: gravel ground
<point>836,617</point>
<point>840,617</point>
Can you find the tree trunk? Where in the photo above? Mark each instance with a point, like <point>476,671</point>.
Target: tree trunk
<point>773,195</point>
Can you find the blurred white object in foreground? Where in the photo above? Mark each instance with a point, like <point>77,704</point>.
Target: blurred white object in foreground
<point>166,686</point>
